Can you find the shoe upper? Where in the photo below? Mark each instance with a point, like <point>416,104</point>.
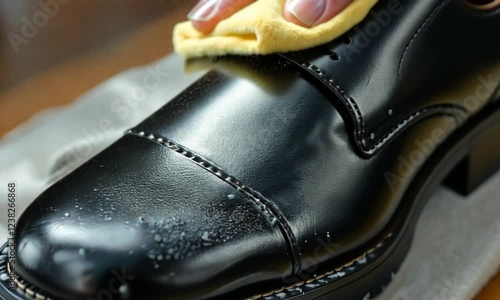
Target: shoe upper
<point>266,171</point>
<point>150,221</point>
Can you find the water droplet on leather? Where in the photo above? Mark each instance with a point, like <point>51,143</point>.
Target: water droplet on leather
<point>66,215</point>
<point>4,277</point>
<point>157,238</point>
<point>107,218</point>
<point>206,237</point>
<point>231,197</point>
<point>141,219</point>
<point>81,251</point>
<point>124,291</point>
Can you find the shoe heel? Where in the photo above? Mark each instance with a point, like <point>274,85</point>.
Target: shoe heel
<point>482,161</point>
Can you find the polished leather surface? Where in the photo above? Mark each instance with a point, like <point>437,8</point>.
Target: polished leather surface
<point>153,217</point>
<point>240,179</point>
<point>401,55</point>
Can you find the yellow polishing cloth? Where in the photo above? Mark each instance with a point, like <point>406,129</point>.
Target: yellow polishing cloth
<point>260,28</point>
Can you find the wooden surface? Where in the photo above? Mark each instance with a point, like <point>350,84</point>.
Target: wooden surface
<point>85,43</point>
<point>491,291</point>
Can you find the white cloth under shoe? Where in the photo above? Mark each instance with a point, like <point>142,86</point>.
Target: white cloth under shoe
<point>457,244</point>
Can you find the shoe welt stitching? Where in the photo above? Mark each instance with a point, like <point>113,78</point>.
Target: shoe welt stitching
<point>30,293</point>
<point>266,205</point>
<point>319,277</point>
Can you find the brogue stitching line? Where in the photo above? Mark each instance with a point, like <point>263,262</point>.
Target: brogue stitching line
<point>359,130</point>
<point>262,202</point>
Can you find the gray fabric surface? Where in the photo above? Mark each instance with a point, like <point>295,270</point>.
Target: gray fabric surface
<point>457,244</point>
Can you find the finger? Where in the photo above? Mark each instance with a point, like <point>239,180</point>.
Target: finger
<point>208,13</point>
<point>309,13</point>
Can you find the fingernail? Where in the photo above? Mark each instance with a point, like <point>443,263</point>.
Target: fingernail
<point>204,10</point>
<point>307,11</point>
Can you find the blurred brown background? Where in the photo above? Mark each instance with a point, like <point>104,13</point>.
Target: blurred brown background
<point>79,46</point>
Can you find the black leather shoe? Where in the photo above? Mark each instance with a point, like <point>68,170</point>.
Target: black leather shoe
<point>296,176</point>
